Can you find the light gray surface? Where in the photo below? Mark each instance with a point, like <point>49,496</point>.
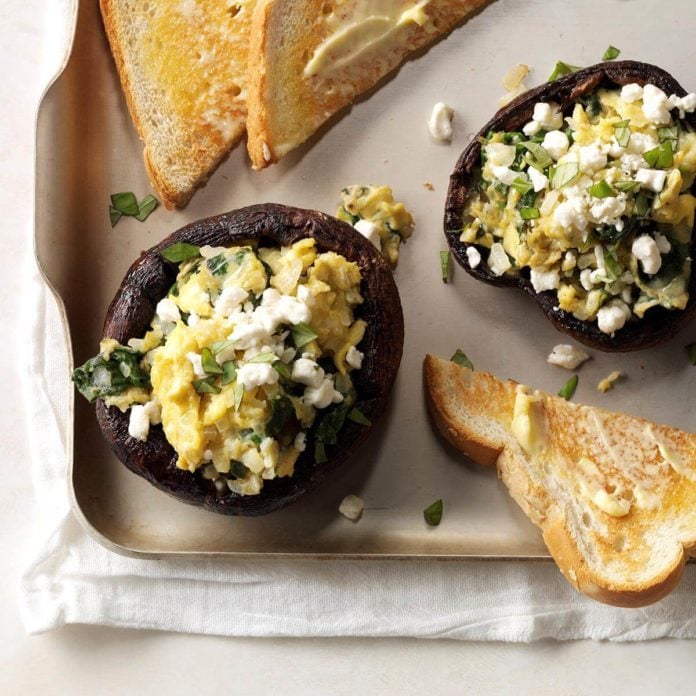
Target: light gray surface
<point>96,660</point>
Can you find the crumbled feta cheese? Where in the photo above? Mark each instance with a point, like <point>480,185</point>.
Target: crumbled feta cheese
<point>592,158</point>
<point>645,249</point>
<point>498,260</point>
<point>606,211</point>
<point>368,230</point>
<point>531,129</point>
<point>586,279</point>
<point>193,319</point>
<point>500,155</point>
<point>549,202</point>
<point>663,244</point>
<point>323,395</point>
<point>686,105</point>
<point>300,443</point>
<point>167,311</point>
<point>627,295</point>
<point>655,105</point>
<point>613,316</point>
<point>630,163</point>
<point>505,175</point>
<point>230,298</point>
<point>307,372</point>
<point>304,294</point>
<point>440,122</point>
<point>614,149</point>
<point>351,507</point>
<point>251,375</point>
<point>631,92</point>
<point>653,179</point>
<point>548,115</point>
<point>567,356</point>
<point>354,358</point>
<point>474,257</point>
<point>287,355</point>
<point>195,360</point>
<point>539,180</point>
<point>569,261</point>
<point>571,213</point>
<point>640,143</point>
<point>556,143</point>
<point>544,279</point>
<point>138,423</point>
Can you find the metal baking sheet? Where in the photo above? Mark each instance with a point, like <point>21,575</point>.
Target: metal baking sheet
<point>87,149</point>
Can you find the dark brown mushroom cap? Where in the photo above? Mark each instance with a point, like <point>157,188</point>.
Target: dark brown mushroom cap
<point>149,279</point>
<point>659,323</point>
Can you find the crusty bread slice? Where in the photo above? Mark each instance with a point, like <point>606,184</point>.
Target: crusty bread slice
<point>289,99</point>
<point>182,65</point>
<point>585,467</point>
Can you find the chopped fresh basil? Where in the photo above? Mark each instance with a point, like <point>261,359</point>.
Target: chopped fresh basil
<point>238,395</point>
<point>562,69</point>
<point>611,53</point>
<point>568,389</point>
<point>238,470</point>
<point>114,215</point>
<point>331,423</point>
<point>357,416</point>
<point>614,268</point>
<point>691,352</point>
<point>670,134</point>
<point>601,190</point>
<point>542,159</point>
<point>217,265</point>
<point>660,157</point>
<point>229,372</point>
<point>460,358</point>
<point>302,334</point>
<point>209,364</point>
<point>433,513</point>
<point>529,213</point>
<point>125,203</point>
<point>146,206</point>
<point>522,185</point>
<point>206,386</point>
<point>99,377</point>
<point>219,346</point>
<point>264,358</point>
<point>180,251</point>
<point>641,205</point>
<point>627,185</point>
<point>320,453</point>
<point>445,260</point>
<point>282,369</point>
<point>563,174</point>
<point>622,132</point>
<point>281,411</point>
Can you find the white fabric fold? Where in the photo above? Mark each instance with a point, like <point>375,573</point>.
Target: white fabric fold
<point>73,579</point>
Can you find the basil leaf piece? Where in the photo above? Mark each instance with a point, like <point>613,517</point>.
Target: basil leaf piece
<point>114,215</point>
<point>568,389</point>
<point>522,185</point>
<point>320,453</point>
<point>357,416</point>
<point>125,203</point>
<point>562,69</point>
<point>238,396</point>
<point>622,132</point>
<point>208,362</point>
<point>433,513</point>
<point>331,423</point>
<point>219,346</point>
<point>542,159</point>
<point>651,156</point>
<point>665,158</point>
<point>145,207</point>
<point>302,334</point>
<point>691,352</point>
<point>206,386</point>
<point>445,260</point>
<point>669,134</point>
<point>614,268</point>
<point>627,185</point>
<point>238,470</point>
<point>641,205</point>
<point>601,190</point>
<point>611,53</point>
<point>99,377</point>
<point>460,358</point>
<point>217,265</point>
<point>529,213</point>
<point>563,174</point>
<point>281,411</point>
<point>180,251</point>
<point>229,372</point>
<point>264,358</point>
<point>282,369</point>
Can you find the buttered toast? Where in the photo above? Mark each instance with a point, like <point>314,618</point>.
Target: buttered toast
<point>310,58</point>
<point>182,65</point>
<point>614,495</point>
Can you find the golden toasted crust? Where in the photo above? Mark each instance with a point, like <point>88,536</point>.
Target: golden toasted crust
<point>182,67</point>
<point>581,455</point>
<point>286,106</point>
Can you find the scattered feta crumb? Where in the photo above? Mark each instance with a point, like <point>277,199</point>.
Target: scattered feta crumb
<point>354,357</point>
<point>440,122</point>
<point>653,179</point>
<point>500,155</point>
<point>230,298</point>
<point>307,372</point>
<point>631,92</point>
<point>505,175</point>
<point>474,257</point>
<point>663,244</point>
<point>569,357</point>
<point>656,105</point>
<point>608,382</point>
<point>498,260</point>
<point>613,316</point>
<point>322,396</point>
<point>645,249</point>
<point>369,230</point>
<point>141,416</point>
<point>531,129</point>
<point>544,279</point>
<point>351,507</point>
<point>592,158</point>
<point>548,115</point>
<point>539,180</point>
<point>167,311</point>
<point>251,375</point>
<point>556,143</point>
<point>195,360</point>
<point>685,105</point>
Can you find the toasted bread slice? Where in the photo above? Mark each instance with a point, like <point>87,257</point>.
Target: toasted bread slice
<point>614,495</point>
<point>182,65</point>
<point>310,58</point>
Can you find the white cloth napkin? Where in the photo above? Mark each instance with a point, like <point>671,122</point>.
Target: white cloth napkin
<point>72,579</point>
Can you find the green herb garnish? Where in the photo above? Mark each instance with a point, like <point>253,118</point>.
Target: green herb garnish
<point>320,453</point>
<point>563,174</point>
<point>229,372</point>
<point>461,359</point>
<point>627,185</point>
<point>641,205</point>
<point>568,389</point>
<point>660,157</point>
<point>445,261</point>
<point>206,386</point>
<point>601,190</point>
<point>208,362</point>
<point>180,251</point>
<point>282,369</point>
<point>542,159</point>
<point>302,334</point>
<point>357,416</point>
<point>114,215</point>
<point>611,53</point>
<point>562,69</point>
<point>331,423</point>
<point>670,134</point>
<point>522,185</point>
<point>238,470</point>
<point>691,352</point>
<point>238,396</point>
<point>146,206</point>
<point>622,132</point>
<point>99,377</point>
<point>614,268</point>
<point>219,346</point>
<point>264,358</point>
<point>217,265</point>
<point>529,213</point>
<point>125,203</point>
<point>281,410</point>
<point>433,513</point>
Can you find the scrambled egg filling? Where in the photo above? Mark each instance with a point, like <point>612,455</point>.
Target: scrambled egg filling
<point>373,211</point>
<point>248,355</point>
<point>595,206</point>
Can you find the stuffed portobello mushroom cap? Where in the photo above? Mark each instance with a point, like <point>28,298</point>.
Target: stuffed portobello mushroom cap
<point>659,323</point>
<point>149,279</point>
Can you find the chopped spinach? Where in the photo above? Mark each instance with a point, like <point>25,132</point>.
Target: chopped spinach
<point>98,377</point>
